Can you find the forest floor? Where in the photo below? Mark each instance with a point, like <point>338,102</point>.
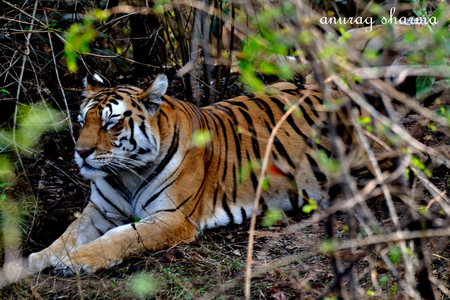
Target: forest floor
<point>288,255</point>
<point>290,263</point>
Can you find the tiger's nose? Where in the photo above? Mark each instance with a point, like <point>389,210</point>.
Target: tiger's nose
<point>83,153</point>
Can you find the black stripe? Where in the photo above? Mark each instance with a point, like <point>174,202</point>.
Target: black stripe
<point>319,99</point>
<point>167,179</point>
<point>100,232</point>
<point>266,109</point>
<point>168,101</point>
<point>138,107</point>
<point>215,199</point>
<point>191,111</point>
<point>163,113</point>
<point>154,196</point>
<point>227,111</point>
<point>114,100</point>
<point>209,146</point>
<point>274,155</point>
<point>320,176</point>
<point>199,197</point>
<point>293,192</point>
<point>253,177</point>
<point>294,92</point>
<point>311,106</point>
<point>119,187</point>
<point>238,103</point>
<point>305,194</point>
<point>293,198</point>
<point>290,120</point>
<point>234,184</point>
<point>213,117</point>
<point>170,153</point>
<point>126,88</point>
<point>280,148</point>
<point>142,128</point>
<point>104,215</point>
<point>110,202</point>
<point>132,140</point>
<point>238,148</point>
<point>174,209</point>
<point>251,129</point>
<point>244,214</point>
<point>328,152</point>
<point>227,209</point>
<point>306,116</point>
<point>224,130</point>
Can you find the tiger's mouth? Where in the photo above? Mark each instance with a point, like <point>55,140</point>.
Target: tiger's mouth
<point>88,167</point>
<point>91,172</point>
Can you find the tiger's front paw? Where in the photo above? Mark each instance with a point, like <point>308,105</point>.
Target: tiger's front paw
<point>41,260</point>
<point>84,261</point>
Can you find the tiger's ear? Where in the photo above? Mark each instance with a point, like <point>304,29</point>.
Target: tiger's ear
<point>92,85</point>
<point>151,98</point>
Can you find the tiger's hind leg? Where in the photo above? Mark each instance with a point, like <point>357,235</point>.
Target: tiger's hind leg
<point>158,231</point>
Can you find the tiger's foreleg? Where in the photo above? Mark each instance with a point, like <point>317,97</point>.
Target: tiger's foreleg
<point>81,231</point>
<point>158,231</point>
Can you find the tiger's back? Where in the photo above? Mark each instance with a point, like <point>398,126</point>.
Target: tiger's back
<point>221,177</point>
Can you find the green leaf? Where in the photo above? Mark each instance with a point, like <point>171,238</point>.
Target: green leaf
<point>5,92</point>
<point>363,121</point>
<point>305,37</point>
<point>332,165</point>
<point>395,254</point>
<point>286,71</point>
<point>101,14</point>
<point>269,69</point>
<point>312,205</point>
<point>371,54</point>
<point>265,184</point>
<point>423,86</point>
<point>328,246</point>
<point>272,215</point>
<point>422,209</point>
<point>384,279</point>
<point>279,48</point>
<point>142,285</point>
<point>201,138</point>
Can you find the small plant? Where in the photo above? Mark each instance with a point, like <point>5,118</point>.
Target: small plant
<point>272,216</point>
<point>80,35</point>
<point>142,285</point>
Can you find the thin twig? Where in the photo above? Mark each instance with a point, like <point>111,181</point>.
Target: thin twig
<point>265,163</point>
<point>393,237</point>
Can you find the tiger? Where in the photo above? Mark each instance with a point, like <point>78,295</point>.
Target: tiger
<point>152,187</point>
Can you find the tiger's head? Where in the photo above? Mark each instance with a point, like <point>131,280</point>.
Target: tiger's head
<point>119,129</point>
